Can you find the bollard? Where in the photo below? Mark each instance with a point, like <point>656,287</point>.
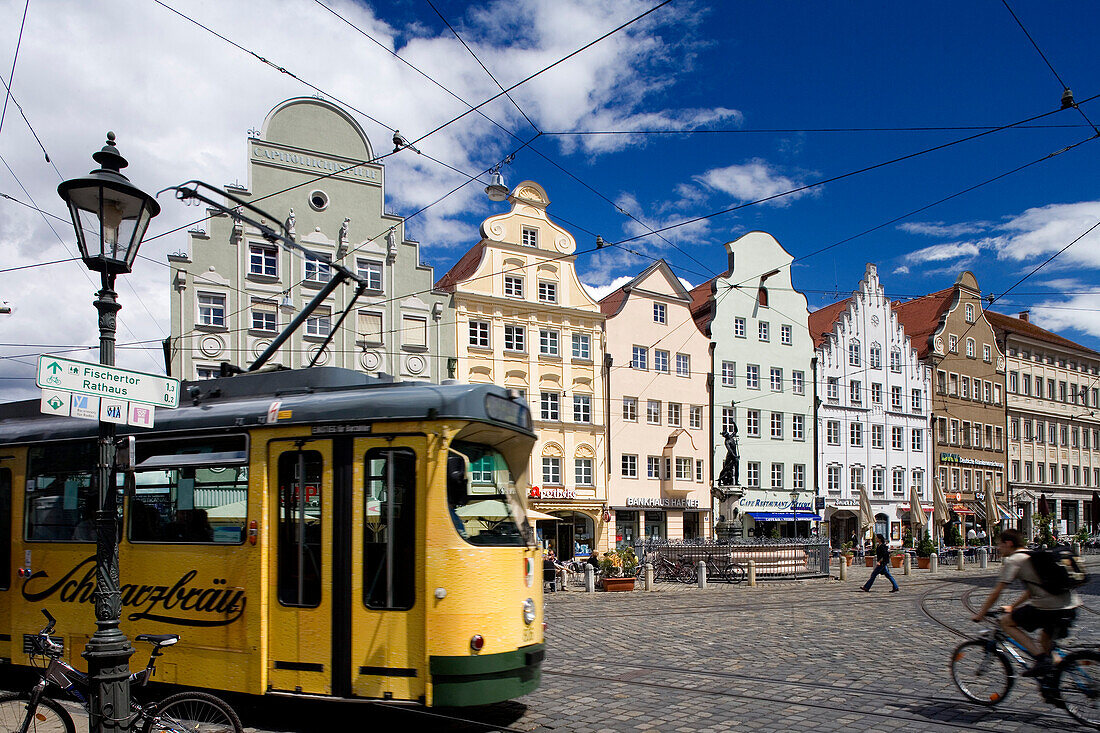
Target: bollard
<point>649,576</point>
<point>959,560</point>
<point>983,558</point>
<point>752,573</point>
<point>933,562</point>
<point>702,576</point>
<point>589,579</point>
<point>1077,549</point>
<point>906,565</point>
<point>843,568</point>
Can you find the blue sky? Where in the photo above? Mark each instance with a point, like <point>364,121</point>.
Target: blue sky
<point>182,100</point>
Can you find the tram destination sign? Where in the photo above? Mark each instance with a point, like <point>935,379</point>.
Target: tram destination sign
<point>57,373</point>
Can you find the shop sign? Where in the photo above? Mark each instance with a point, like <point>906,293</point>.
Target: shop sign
<point>961,460</point>
<point>645,501</point>
<point>771,501</point>
<point>843,503</point>
<point>548,492</point>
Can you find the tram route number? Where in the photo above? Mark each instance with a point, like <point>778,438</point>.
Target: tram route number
<point>528,634</point>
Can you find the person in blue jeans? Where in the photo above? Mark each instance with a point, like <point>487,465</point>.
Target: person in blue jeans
<point>882,567</point>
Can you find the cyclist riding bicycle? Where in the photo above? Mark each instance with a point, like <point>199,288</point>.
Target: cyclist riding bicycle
<point>1035,609</point>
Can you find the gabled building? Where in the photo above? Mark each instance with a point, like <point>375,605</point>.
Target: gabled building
<point>523,320</point>
<point>956,342</point>
<point>1053,402</point>
<point>872,423</point>
<point>233,291</point>
<point>658,427</point>
<point>762,365</point>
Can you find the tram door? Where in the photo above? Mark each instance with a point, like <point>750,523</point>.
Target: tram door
<point>300,595</point>
<point>387,644</point>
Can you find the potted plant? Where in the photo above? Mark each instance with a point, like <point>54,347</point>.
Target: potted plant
<point>896,557</point>
<point>846,552</point>
<point>925,548</point>
<point>617,569</point>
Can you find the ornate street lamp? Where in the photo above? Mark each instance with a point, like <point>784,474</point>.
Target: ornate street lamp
<point>106,206</point>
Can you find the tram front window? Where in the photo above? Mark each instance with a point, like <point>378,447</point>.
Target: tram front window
<point>481,495</point>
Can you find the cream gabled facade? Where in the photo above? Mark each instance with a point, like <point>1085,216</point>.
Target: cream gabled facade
<point>524,321</point>
<point>658,423</point>
<point>233,292</point>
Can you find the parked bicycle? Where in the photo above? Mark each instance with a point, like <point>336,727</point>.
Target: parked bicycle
<point>982,669</point>
<point>721,570</point>
<point>35,711</point>
<point>667,571</point>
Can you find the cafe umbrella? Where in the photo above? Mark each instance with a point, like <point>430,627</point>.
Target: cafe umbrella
<point>940,513</point>
<point>916,513</point>
<point>992,513</point>
<point>866,516</point>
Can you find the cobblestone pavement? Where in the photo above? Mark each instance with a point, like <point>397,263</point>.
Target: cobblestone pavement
<point>815,655</point>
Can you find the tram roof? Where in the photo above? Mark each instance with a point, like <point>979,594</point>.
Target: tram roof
<point>321,395</point>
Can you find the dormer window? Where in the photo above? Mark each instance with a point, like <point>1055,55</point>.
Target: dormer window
<point>529,237</point>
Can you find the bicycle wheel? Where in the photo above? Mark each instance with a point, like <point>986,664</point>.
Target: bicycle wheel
<point>1077,679</point>
<point>49,716</point>
<point>735,573</point>
<point>687,574</point>
<point>193,712</point>
<point>981,672</point>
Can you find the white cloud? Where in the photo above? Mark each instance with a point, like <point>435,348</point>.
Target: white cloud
<point>182,100</point>
<point>901,270</point>
<point>1080,313</point>
<point>1042,231</point>
<point>940,229</point>
<point>942,252</point>
<point>599,292</point>
<point>751,181</point>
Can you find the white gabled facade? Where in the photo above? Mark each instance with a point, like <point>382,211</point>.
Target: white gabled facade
<point>873,421</point>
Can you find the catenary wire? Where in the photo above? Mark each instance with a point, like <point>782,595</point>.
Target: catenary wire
<point>30,127</point>
<point>14,59</point>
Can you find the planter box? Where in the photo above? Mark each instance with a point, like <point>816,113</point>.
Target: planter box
<point>848,560</point>
<point>870,560</point>
<point>923,563</point>
<point>895,561</point>
<point>617,584</point>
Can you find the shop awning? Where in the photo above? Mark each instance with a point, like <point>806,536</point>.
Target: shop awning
<point>783,516</point>
<point>960,509</point>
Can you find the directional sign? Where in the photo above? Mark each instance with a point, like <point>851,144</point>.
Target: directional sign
<point>57,373</point>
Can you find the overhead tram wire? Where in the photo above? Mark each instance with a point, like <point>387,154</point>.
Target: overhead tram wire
<point>31,128</point>
<point>14,59</point>
<point>848,174</point>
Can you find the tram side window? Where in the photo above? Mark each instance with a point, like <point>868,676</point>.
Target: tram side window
<point>189,504</point>
<point>60,500</point>
<point>389,528</point>
<point>299,534</point>
<point>5,528</point>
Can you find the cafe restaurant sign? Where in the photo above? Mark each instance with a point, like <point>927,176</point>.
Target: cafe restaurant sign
<point>661,503</point>
<point>962,460</point>
<point>773,501</point>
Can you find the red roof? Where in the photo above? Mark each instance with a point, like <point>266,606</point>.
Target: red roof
<point>466,266</point>
<point>1011,324</point>
<point>611,302</point>
<point>702,309</point>
<point>921,317</point>
<point>821,321</point>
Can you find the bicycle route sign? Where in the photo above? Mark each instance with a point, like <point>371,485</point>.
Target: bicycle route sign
<point>84,378</point>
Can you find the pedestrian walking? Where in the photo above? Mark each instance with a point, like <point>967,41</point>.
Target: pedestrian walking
<point>882,567</point>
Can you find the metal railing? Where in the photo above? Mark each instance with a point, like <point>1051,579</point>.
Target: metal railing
<point>774,559</point>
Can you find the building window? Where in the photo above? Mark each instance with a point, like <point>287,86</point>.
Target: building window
<point>777,425</point>
<point>695,417</point>
<point>855,434</point>
<point>263,260</point>
<point>798,427</point>
<point>582,408</point>
<point>798,382</point>
<point>529,237</point>
<point>513,286</point>
<point>515,338</point>
<point>582,471</point>
<point>899,482</point>
<point>371,271</point>
<point>548,342</point>
<point>653,467</point>
<point>785,335</point>
<point>855,476</point>
<point>319,324</point>
<point>264,317</point>
<point>202,372</point>
<point>941,382</point>
<point>833,479</point>
<point>915,401</point>
<point>970,348</point>
<point>895,360</point>
<point>897,438</point>
<point>777,379</point>
<point>752,472</point>
<point>832,389</point>
<point>479,334</point>
<point>582,346</point>
<point>640,358</point>
<point>551,470</point>
<point>548,292</point>
<point>727,419</point>
<point>699,470</point>
<point>855,392</point>
<point>660,361</point>
<point>777,475</point>
<point>876,393</point>
<point>683,365</point>
<point>969,313</point>
<point>653,412</point>
<point>752,376</point>
<point>739,327</point>
<point>659,313</point>
<point>675,410</point>
<point>918,481</point>
<point>878,481</point>
<point>752,423</point>
<point>729,374</point>
<point>763,331</point>
<point>875,357</point>
<point>630,466</point>
<point>1014,382</point>
<point>953,344</point>
<point>878,436</point>
<point>987,355</point>
<point>370,327</point>
<point>318,271</point>
<point>211,310</point>
<point>414,331</point>
<point>918,439</point>
<point>550,406</point>
<point>630,409</point>
<point>832,432</point>
<point>895,399</point>
<point>683,469</point>
<point>798,476</point>
<point>853,353</point>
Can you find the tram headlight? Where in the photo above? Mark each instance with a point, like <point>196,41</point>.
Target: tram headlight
<point>529,611</point>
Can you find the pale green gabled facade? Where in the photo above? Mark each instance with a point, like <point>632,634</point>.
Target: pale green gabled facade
<point>233,292</point>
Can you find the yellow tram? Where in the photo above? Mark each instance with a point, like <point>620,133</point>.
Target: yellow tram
<point>313,532</point>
